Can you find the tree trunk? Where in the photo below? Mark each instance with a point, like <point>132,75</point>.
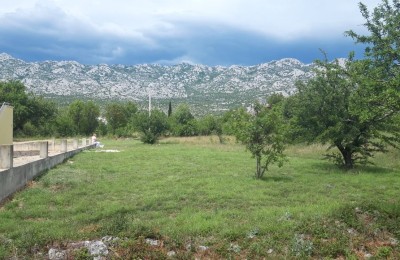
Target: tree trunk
<point>347,155</point>
<point>258,170</point>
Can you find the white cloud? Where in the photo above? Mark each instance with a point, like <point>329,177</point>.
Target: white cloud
<point>172,31</point>
<point>284,19</point>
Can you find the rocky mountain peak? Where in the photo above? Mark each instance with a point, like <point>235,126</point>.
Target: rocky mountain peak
<point>214,88</point>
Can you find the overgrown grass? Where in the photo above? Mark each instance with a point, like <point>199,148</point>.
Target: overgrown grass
<point>196,191</point>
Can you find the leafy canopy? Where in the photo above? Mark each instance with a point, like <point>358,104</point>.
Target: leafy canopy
<point>354,106</point>
<point>262,131</point>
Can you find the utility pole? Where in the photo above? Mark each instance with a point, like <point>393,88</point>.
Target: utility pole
<point>149,104</point>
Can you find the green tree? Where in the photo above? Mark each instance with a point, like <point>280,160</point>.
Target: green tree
<point>275,99</point>
<point>33,115</point>
<point>118,115</point>
<point>75,113</point>
<point>183,122</point>
<point>84,116</point>
<point>329,111</point>
<point>263,134</point>
<point>151,127</point>
<point>64,125</point>
<point>233,119</point>
<point>354,107</point>
<point>14,93</point>
<point>209,124</point>
<point>379,73</point>
<point>43,115</point>
<point>91,113</point>
<point>169,109</point>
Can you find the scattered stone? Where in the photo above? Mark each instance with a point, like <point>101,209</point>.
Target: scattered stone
<point>234,248</point>
<point>330,186</point>
<point>393,241</point>
<point>152,242</point>
<point>368,256</point>
<point>55,254</point>
<point>109,240</point>
<point>251,236</point>
<point>253,233</point>
<point>96,248</point>
<point>287,216</point>
<point>358,210</point>
<point>351,231</point>
<point>203,248</point>
<point>270,251</point>
<point>188,247</point>
<point>171,253</point>
<point>77,245</point>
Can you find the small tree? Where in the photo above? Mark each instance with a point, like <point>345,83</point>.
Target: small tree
<point>151,127</point>
<point>118,116</point>
<point>84,116</point>
<point>183,122</point>
<point>263,134</point>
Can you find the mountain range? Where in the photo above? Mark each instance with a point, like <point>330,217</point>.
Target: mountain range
<point>204,88</point>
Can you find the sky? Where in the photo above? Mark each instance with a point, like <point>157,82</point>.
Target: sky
<point>209,32</point>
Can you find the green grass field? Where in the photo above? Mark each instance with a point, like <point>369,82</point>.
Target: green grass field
<point>197,192</point>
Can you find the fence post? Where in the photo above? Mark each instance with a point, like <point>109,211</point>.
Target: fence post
<point>64,147</point>
<point>54,144</point>
<point>75,144</point>
<point>6,156</point>
<point>44,149</point>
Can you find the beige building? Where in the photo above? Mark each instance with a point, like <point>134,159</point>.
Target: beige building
<point>6,124</point>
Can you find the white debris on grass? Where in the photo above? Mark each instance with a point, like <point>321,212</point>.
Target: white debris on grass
<point>152,242</point>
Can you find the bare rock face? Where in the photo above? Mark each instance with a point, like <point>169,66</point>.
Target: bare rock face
<point>220,87</point>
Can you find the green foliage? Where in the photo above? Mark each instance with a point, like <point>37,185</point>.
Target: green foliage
<point>64,124</point>
<point>84,116</point>
<point>354,107</point>
<point>13,92</point>
<point>209,124</point>
<point>169,109</point>
<point>275,99</point>
<point>232,120</point>
<point>33,115</point>
<point>183,122</point>
<point>383,42</point>
<point>118,116</point>
<point>263,134</point>
<point>151,127</point>
<point>322,113</point>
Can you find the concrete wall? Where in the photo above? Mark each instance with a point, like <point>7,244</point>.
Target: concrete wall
<point>6,125</point>
<point>16,178</point>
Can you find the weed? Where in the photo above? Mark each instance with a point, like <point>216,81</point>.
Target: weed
<point>82,254</point>
<point>115,224</point>
<point>384,252</point>
<point>302,245</point>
